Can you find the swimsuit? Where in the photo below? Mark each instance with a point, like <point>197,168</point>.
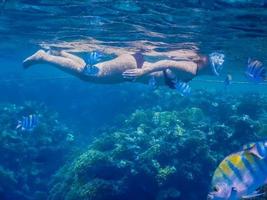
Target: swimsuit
<point>139,58</point>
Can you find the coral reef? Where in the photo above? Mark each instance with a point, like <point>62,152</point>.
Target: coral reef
<point>163,152</point>
<point>29,158</point>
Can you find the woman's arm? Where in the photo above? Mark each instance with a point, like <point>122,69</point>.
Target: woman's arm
<point>180,68</point>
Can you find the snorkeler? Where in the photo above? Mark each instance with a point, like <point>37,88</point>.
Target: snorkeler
<point>182,67</point>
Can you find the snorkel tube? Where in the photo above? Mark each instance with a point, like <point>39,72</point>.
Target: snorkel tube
<point>216,62</point>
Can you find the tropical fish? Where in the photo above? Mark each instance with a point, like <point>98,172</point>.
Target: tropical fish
<point>257,148</point>
<point>173,82</point>
<point>28,123</point>
<point>90,69</point>
<point>93,58</point>
<point>240,174</point>
<point>255,71</point>
<point>183,88</point>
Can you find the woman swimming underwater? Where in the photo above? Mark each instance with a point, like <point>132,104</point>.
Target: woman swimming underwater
<point>183,67</point>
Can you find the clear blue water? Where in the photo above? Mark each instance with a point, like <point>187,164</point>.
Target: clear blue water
<point>236,28</point>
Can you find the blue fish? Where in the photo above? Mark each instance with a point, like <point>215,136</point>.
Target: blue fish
<point>255,71</point>
<point>183,88</point>
<point>240,174</point>
<point>93,58</point>
<point>28,123</point>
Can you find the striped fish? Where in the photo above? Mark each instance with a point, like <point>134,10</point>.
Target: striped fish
<point>93,58</point>
<point>257,148</point>
<point>240,174</point>
<point>28,123</point>
<point>183,88</point>
<point>255,71</point>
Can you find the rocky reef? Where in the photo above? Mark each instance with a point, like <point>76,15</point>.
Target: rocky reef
<point>29,158</point>
<point>163,152</point>
<point>166,149</point>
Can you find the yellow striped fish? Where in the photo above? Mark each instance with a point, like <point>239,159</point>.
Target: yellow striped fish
<point>240,174</point>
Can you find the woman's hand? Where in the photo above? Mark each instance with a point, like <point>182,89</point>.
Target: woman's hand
<point>133,74</point>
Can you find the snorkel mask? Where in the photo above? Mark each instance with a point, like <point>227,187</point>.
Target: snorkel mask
<point>216,61</point>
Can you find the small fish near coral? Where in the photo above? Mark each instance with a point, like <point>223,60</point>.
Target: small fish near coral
<point>183,88</point>
<point>240,174</point>
<point>28,123</point>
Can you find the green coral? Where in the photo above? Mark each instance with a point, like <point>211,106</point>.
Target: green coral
<point>164,174</point>
<point>90,160</point>
<point>157,153</point>
<point>92,190</point>
<point>192,115</point>
<point>29,159</point>
<point>138,117</point>
<point>128,154</point>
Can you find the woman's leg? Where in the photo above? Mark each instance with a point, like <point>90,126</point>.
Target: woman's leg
<point>71,56</point>
<point>69,63</point>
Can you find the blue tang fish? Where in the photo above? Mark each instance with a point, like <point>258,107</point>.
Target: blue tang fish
<point>240,174</point>
<point>28,123</point>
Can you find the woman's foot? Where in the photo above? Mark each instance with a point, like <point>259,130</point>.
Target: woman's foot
<point>34,59</point>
